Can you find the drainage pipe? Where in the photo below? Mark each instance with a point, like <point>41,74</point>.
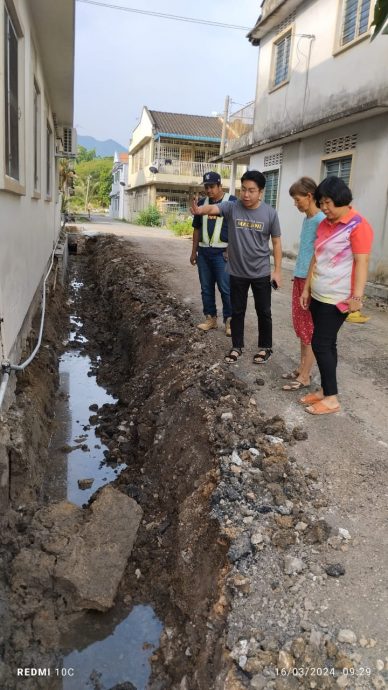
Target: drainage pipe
<point>3,387</point>
<point>7,367</point>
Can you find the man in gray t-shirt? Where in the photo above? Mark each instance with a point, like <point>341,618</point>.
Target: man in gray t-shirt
<point>252,223</point>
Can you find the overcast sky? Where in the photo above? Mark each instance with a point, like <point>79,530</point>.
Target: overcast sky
<point>125,60</point>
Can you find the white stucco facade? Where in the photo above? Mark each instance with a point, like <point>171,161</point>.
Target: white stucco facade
<point>29,198</point>
<point>322,108</point>
<point>118,198</point>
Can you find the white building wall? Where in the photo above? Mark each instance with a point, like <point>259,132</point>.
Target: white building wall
<point>326,84</point>
<point>142,132</point>
<point>323,80</point>
<point>369,182</point>
<point>29,222</point>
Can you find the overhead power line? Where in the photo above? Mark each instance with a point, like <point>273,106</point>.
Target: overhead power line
<point>175,17</point>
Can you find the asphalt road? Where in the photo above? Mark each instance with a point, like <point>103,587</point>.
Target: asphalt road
<point>350,449</point>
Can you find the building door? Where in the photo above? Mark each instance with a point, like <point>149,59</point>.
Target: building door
<point>186,160</point>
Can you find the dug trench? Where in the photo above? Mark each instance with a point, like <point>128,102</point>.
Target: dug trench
<point>210,520</point>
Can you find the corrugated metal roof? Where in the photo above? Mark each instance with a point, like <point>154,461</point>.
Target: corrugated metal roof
<point>187,125</point>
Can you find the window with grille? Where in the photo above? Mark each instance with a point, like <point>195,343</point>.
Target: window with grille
<point>340,167</point>
<point>36,125</point>
<point>355,19</point>
<point>11,78</point>
<point>282,59</point>
<point>170,152</point>
<point>49,151</point>
<point>271,187</point>
<point>199,155</point>
<point>172,200</point>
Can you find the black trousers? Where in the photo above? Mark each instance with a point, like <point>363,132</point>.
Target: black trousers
<point>261,288</point>
<point>327,321</point>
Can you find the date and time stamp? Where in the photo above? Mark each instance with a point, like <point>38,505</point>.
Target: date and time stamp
<point>319,671</point>
<point>296,671</point>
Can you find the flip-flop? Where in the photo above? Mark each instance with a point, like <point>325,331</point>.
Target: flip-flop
<point>295,386</point>
<point>319,408</point>
<point>291,375</point>
<point>310,399</point>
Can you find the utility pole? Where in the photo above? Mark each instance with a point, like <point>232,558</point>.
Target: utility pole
<point>224,122</point>
<point>87,193</point>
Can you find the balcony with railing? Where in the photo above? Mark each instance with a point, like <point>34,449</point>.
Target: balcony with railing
<point>174,171</point>
<point>239,132</point>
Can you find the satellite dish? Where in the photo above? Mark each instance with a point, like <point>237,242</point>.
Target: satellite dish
<point>153,169</point>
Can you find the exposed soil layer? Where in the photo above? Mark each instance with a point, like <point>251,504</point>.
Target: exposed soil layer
<point>232,548</point>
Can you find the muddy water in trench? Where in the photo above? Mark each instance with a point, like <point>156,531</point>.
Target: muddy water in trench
<point>112,648</point>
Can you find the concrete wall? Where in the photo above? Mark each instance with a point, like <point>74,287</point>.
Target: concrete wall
<point>331,92</point>
<point>369,182</point>
<point>323,80</point>
<point>29,221</point>
<point>119,210</point>
<point>141,133</point>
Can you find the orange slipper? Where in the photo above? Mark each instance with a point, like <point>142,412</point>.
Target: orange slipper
<point>310,399</point>
<point>320,408</point>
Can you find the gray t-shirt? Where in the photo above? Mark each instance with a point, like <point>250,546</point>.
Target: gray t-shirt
<point>249,233</point>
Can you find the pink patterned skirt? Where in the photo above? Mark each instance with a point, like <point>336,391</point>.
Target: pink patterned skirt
<point>301,319</point>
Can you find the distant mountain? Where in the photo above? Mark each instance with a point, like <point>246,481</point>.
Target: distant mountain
<point>103,148</point>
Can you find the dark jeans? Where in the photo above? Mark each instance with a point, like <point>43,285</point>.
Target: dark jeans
<point>327,321</point>
<point>212,271</point>
<point>261,288</point>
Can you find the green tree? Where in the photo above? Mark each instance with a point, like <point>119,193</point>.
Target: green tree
<point>83,154</point>
<point>380,17</point>
<point>66,181</point>
<point>93,183</point>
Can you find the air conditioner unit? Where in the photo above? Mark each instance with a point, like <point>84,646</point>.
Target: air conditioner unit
<point>66,142</point>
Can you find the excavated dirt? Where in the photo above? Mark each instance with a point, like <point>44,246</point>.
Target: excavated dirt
<point>232,549</point>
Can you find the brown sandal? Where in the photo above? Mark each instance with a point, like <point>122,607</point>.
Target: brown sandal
<point>234,354</point>
<point>319,408</point>
<point>291,375</point>
<point>310,399</point>
<point>262,356</point>
<point>295,386</point>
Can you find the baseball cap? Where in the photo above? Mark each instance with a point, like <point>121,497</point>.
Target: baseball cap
<point>211,178</point>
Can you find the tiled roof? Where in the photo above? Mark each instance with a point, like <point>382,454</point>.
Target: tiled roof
<point>187,125</point>
<point>123,157</point>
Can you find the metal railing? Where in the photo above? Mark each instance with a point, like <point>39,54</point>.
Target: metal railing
<point>191,168</point>
<point>239,131</point>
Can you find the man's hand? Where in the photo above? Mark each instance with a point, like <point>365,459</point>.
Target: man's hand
<point>277,277</point>
<point>194,208</point>
<point>193,258</point>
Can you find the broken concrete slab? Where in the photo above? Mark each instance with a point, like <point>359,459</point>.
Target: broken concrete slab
<point>91,566</point>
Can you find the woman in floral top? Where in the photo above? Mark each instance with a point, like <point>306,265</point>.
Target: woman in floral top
<point>335,283</point>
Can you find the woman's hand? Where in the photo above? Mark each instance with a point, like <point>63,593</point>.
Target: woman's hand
<point>354,304</point>
<point>305,299</point>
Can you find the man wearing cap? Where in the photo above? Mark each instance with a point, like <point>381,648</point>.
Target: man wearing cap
<point>252,225</point>
<point>210,241</point>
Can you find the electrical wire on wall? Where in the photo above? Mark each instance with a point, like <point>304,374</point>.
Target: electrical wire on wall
<point>7,367</point>
<point>306,93</point>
